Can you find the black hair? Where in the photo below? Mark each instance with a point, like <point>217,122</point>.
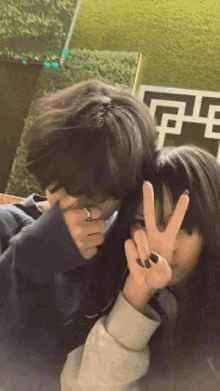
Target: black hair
<point>91,139</point>
<point>192,168</point>
<point>198,324</point>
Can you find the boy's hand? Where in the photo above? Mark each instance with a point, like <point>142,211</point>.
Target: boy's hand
<point>86,234</point>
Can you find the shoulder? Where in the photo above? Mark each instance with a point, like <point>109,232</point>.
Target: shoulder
<point>12,220</point>
<point>8,220</point>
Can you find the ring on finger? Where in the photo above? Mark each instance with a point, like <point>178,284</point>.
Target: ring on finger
<point>89,214</point>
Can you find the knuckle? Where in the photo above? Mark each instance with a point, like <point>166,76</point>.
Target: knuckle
<point>96,240</point>
<point>85,254</point>
<point>96,213</point>
<point>92,242</point>
<point>70,219</point>
<point>88,242</point>
<point>93,253</point>
<point>90,253</point>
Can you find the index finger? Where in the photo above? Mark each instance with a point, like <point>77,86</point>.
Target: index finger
<point>148,206</point>
<point>80,214</point>
<point>177,216</point>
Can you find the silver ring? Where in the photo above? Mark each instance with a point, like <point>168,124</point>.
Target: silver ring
<point>89,215</point>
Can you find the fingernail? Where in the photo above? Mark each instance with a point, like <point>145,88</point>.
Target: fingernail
<point>154,257</point>
<point>186,192</point>
<point>139,262</point>
<point>147,263</point>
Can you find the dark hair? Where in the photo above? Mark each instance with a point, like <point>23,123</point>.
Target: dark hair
<point>193,168</point>
<point>90,138</point>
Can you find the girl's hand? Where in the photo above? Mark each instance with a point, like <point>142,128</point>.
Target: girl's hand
<point>152,276</point>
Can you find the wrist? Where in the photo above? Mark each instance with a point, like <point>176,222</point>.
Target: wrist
<point>138,295</point>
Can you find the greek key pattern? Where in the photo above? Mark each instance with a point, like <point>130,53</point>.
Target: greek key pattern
<point>185,116</point>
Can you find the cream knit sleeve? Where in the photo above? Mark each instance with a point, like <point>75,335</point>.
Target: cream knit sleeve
<point>115,354</point>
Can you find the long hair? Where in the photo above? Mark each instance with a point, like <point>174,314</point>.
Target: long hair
<point>193,168</point>
<point>90,138</point>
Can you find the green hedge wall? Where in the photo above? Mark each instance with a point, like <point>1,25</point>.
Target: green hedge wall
<point>117,67</point>
<point>34,29</point>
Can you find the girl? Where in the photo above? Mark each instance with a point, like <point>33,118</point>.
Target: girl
<point>163,332</point>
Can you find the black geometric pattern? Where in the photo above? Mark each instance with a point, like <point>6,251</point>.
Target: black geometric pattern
<point>185,116</point>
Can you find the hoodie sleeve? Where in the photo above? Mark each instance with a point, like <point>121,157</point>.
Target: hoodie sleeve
<point>115,354</point>
<point>28,265</point>
<point>42,249</point>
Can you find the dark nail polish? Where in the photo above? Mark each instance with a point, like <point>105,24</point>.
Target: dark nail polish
<point>186,192</point>
<point>139,262</point>
<point>147,263</point>
<point>154,257</point>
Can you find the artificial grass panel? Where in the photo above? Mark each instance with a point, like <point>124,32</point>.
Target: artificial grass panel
<point>179,39</point>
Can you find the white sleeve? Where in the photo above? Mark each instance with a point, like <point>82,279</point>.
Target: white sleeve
<point>115,354</point>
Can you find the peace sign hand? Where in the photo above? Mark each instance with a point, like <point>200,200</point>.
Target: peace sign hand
<point>162,242</point>
<point>155,272</point>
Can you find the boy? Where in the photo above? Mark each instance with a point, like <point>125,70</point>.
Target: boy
<point>62,257</point>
